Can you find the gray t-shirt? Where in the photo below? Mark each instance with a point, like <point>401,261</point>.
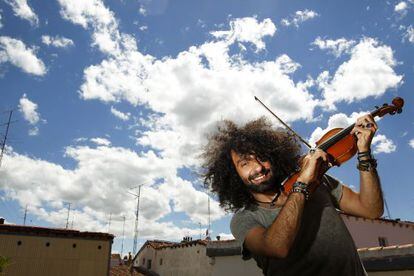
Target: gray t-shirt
<point>323,245</point>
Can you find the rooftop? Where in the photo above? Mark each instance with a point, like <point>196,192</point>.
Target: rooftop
<point>390,221</point>
<point>123,270</point>
<point>389,258</point>
<point>10,229</point>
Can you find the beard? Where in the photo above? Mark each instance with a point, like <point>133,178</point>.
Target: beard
<point>266,186</point>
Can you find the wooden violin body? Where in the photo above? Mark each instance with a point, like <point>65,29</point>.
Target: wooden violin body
<point>340,144</point>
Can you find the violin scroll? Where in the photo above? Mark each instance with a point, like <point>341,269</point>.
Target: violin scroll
<point>396,107</point>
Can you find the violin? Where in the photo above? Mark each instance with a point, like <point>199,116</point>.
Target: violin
<point>339,143</point>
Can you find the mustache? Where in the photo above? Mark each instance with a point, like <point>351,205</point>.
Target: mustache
<point>264,171</point>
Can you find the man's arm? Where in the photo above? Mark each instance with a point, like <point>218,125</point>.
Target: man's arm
<point>368,202</point>
<point>277,240</point>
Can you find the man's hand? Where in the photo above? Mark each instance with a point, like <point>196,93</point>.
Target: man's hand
<point>364,130</point>
<point>313,166</point>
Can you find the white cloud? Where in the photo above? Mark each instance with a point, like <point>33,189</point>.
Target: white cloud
<point>57,41</point>
<point>30,114</point>
<point>247,29</point>
<point>16,52</point>
<point>368,72</point>
<point>226,236</point>
<point>190,92</point>
<point>142,10</point>
<point>299,17</point>
<point>121,115</point>
<point>29,110</point>
<point>98,187</point>
<point>23,10</point>
<point>382,144</point>
<point>336,47</point>
<point>411,143</point>
<point>34,131</point>
<point>409,34</point>
<point>101,141</point>
<point>195,206</point>
<point>143,28</point>
<point>94,15</point>
<point>401,8</point>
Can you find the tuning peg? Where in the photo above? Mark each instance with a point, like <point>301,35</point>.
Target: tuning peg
<point>385,104</point>
<point>376,107</point>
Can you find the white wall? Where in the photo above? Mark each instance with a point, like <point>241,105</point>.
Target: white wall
<point>365,232</point>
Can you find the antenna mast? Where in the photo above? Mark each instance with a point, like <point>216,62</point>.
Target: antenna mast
<point>25,215</point>
<point>109,223</point>
<point>3,144</point>
<point>134,248</point>
<point>123,237</point>
<point>67,219</point>
<point>209,221</point>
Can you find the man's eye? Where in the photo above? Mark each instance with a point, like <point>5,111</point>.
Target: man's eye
<point>243,163</point>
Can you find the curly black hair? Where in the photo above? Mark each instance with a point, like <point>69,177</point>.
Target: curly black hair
<point>279,147</point>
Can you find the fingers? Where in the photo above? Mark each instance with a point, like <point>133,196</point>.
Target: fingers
<point>319,156</point>
<point>314,165</point>
<point>367,122</point>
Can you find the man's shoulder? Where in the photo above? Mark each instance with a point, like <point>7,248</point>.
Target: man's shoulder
<point>242,221</point>
<point>241,215</point>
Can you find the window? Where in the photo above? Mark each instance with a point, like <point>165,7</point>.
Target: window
<point>161,261</point>
<point>143,261</point>
<point>149,264</point>
<point>382,241</point>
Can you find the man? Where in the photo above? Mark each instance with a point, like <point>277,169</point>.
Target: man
<point>298,232</point>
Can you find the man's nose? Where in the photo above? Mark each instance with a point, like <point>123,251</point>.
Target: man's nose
<point>258,167</point>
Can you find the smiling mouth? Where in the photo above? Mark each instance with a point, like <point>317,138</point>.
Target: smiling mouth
<point>258,178</point>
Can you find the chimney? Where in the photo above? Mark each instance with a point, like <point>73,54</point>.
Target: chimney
<point>1,220</point>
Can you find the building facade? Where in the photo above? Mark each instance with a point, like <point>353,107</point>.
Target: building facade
<point>187,258</point>
<point>39,251</point>
<point>379,232</point>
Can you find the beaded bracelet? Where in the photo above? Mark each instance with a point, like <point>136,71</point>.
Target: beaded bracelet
<point>300,187</point>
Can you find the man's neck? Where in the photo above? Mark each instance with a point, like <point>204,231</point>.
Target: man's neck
<point>269,196</point>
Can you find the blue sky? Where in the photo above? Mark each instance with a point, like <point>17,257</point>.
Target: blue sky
<point>108,95</point>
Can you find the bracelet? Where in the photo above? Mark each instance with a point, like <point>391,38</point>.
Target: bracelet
<point>364,154</point>
<point>367,165</point>
<point>300,187</point>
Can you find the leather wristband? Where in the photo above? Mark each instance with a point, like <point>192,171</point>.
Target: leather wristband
<point>367,165</point>
<point>364,154</point>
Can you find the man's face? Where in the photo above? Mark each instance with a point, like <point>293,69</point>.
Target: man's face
<point>255,173</point>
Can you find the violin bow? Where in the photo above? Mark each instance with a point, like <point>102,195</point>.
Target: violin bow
<point>283,123</point>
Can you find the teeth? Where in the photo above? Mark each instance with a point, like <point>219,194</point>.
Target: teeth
<point>260,177</point>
